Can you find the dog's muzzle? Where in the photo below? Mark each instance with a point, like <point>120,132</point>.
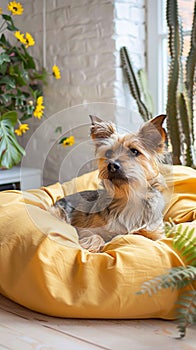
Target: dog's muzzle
<point>115,172</point>
<point>114,167</point>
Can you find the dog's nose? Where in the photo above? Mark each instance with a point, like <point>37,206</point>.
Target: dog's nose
<point>113,166</point>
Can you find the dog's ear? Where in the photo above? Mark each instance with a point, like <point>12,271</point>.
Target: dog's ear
<point>95,119</point>
<point>101,130</point>
<point>153,135</point>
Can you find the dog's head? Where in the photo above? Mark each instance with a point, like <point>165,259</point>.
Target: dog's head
<point>131,160</point>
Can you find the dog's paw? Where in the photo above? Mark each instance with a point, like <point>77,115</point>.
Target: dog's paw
<point>93,244</point>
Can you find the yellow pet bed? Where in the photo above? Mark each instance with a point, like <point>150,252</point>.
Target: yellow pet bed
<point>43,267</point>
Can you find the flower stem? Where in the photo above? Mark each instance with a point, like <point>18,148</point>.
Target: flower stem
<point>1,27</point>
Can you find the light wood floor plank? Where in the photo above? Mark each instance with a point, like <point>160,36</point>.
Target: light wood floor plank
<point>19,333</point>
<point>21,329</point>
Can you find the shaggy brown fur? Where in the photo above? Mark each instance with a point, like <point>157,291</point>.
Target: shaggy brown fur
<point>131,200</point>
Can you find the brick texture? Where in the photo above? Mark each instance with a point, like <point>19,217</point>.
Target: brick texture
<point>83,37</point>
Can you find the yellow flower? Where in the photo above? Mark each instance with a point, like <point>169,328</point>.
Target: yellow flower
<point>68,141</point>
<point>15,8</point>
<point>56,72</point>
<point>22,129</point>
<point>39,109</point>
<point>20,37</point>
<point>29,40</point>
<point>40,100</point>
<point>1,11</point>
<point>38,113</point>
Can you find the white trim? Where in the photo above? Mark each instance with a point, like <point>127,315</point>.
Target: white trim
<point>44,32</point>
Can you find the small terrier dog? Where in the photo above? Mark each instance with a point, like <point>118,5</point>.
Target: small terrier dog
<point>131,199</point>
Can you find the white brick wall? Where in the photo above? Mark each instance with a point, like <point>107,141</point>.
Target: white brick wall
<point>79,40</point>
<point>83,38</point>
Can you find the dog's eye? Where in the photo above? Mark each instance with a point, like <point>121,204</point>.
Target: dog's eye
<point>109,153</point>
<point>134,152</point>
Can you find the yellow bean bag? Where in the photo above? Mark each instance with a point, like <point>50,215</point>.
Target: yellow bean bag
<point>43,267</point>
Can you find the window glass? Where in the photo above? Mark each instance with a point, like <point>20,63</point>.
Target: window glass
<point>186,8</point>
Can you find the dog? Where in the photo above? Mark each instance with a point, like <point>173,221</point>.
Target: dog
<point>131,199</point>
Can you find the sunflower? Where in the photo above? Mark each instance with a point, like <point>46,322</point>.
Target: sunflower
<point>39,109</point>
<point>68,141</point>
<point>26,40</point>
<point>56,72</point>
<point>15,8</point>
<point>20,37</point>
<point>29,40</point>
<point>22,129</point>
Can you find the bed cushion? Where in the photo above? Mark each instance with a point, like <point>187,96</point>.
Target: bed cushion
<point>44,268</point>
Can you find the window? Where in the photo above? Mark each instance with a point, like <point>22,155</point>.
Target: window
<point>157,47</point>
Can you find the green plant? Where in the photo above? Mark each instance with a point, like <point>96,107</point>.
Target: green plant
<point>184,242</point>
<point>180,87</point>
<point>21,84</point>
<point>181,80</point>
<point>134,84</point>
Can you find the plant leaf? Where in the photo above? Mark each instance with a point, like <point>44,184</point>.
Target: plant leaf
<point>177,277</point>
<point>29,62</point>
<point>4,58</point>
<point>185,243</point>
<point>6,17</point>
<point>10,23</point>
<point>9,82</point>
<point>58,129</point>
<point>186,311</point>
<point>10,150</point>
<point>3,68</point>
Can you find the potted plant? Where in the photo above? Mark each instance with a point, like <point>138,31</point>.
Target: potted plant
<point>21,83</point>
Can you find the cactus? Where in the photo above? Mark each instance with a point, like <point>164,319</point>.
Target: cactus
<point>133,84</point>
<point>180,92</point>
<point>175,51</point>
<point>180,88</point>
<point>190,70</point>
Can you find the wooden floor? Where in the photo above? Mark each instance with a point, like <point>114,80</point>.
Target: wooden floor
<point>22,329</point>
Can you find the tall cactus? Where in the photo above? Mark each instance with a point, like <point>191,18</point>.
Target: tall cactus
<point>175,51</point>
<point>180,92</point>
<point>190,70</point>
<point>180,88</point>
<point>133,84</point>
